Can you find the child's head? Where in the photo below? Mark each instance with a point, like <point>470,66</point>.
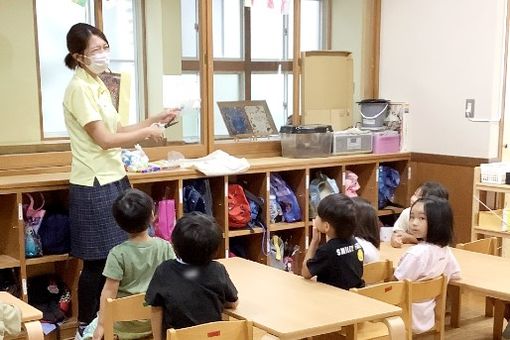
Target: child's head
<point>133,211</point>
<point>429,189</point>
<point>368,222</point>
<point>432,220</point>
<point>338,211</point>
<point>196,238</point>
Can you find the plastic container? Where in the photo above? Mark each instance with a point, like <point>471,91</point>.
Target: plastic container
<point>306,141</point>
<point>386,142</point>
<point>345,142</point>
<point>373,113</point>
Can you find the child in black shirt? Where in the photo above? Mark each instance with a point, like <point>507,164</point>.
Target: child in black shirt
<point>192,289</point>
<point>338,262</point>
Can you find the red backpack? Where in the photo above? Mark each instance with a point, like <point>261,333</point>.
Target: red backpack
<point>239,214</point>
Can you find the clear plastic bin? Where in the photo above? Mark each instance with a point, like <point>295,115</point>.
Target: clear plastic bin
<point>306,141</point>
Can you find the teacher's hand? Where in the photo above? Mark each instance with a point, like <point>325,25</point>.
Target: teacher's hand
<point>156,132</point>
<point>167,115</point>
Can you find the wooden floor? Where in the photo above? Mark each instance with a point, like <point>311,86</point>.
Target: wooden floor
<point>473,324</point>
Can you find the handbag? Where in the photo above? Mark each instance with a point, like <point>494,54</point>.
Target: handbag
<point>165,218</point>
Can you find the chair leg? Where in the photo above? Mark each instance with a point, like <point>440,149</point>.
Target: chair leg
<point>489,306</point>
<point>454,295</point>
<point>499,311</point>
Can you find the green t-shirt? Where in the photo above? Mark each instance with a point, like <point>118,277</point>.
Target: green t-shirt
<point>133,264</point>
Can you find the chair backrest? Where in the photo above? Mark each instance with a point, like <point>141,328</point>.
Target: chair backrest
<point>231,330</point>
<point>394,293</point>
<point>484,246</point>
<point>420,291</point>
<point>376,272</point>
<point>124,309</point>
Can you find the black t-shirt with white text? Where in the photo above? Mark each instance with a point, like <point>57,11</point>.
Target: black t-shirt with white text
<point>338,263</point>
<point>190,295</point>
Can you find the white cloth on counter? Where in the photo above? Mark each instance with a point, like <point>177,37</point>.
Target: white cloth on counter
<point>217,163</point>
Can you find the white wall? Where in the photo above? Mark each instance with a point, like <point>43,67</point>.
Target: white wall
<point>434,55</point>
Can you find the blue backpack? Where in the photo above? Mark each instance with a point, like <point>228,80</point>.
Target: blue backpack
<point>197,196</point>
<point>388,181</point>
<point>256,207</point>
<point>285,198</point>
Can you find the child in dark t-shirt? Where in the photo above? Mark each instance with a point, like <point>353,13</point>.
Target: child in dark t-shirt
<point>338,262</point>
<point>192,289</point>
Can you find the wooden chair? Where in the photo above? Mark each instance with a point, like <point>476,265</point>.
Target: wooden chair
<point>124,309</point>
<point>493,307</point>
<point>420,291</point>
<point>377,272</point>
<point>231,330</point>
<point>395,293</point>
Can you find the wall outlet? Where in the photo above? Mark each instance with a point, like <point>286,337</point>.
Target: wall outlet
<point>469,109</point>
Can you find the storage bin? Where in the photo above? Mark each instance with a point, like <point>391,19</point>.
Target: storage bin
<point>386,142</point>
<point>306,141</point>
<point>345,142</point>
<point>494,173</point>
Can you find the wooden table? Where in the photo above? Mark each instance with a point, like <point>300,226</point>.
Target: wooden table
<point>30,316</point>
<point>486,274</point>
<point>290,307</point>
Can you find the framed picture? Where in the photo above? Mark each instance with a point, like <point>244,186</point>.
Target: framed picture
<point>247,118</point>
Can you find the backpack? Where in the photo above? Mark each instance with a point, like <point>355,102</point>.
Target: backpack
<point>197,196</point>
<point>320,187</point>
<point>55,231</point>
<point>164,222</point>
<point>256,208</point>
<point>239,212</point>
<point>388,181</point>
<point>285,198</point>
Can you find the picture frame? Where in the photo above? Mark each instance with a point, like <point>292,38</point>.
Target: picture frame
<point>247,118</point>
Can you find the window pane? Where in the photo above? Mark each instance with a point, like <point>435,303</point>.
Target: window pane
<point>227,87</point>
<point>266,32</point>
<point>189,32</point>
<point>183,91</point>
<point>311,25</point>
<point>119,27</point>
<point>227,29</point>
<point>51,35</point>
<point>271,87</point>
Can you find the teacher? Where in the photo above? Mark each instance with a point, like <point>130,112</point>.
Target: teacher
<point>97,172</point>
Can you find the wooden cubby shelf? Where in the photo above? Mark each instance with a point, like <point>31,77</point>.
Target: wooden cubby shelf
<point>8,262</point>
<point>47,259</point>
<point>244,232</point>
<point>286,226</point>
<point>251,244</point>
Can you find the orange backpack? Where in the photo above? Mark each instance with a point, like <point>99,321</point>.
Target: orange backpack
<point>239,214</point>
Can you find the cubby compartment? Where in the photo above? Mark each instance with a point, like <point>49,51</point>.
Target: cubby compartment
<point>161,190</point>
<point>256,184</point>
<point>10,281</point>
<point>296,180</point>
<point>252,247</point>
<point>11,229</point>
<point>294,250</point>
<point>68,271</point>
<point>334,173</point>
<point>402,192</point>
<point>367,179</point>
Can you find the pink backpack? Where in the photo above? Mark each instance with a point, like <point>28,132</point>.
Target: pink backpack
<point>165,219</point>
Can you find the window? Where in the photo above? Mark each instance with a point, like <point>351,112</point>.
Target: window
<point>120,26</point>
<point>54,76</point>
<point>261,68</point>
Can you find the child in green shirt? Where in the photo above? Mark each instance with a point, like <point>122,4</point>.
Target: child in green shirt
<point>130,265</point>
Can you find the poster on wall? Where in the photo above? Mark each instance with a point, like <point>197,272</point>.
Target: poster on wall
<point>247,118</point>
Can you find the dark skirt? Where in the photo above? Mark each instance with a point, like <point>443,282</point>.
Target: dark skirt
<point>93,229</point>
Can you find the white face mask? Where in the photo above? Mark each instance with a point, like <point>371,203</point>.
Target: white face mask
<point>99,62</point>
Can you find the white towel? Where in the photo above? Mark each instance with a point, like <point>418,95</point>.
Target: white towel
<point>217,163</point>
